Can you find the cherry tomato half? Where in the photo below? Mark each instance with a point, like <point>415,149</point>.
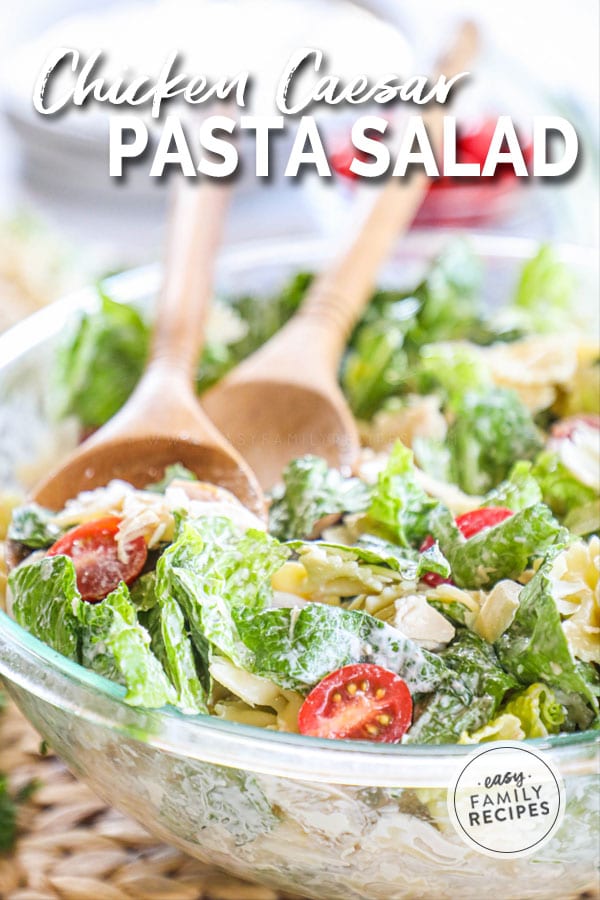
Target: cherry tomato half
<point>94,551</point>
<point>468,524</point>
<point>359,702</point>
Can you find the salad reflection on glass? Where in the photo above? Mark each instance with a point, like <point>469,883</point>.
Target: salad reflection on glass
<point>447,591</point>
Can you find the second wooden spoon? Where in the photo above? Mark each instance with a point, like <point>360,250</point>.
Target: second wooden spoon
<point>284,400</point>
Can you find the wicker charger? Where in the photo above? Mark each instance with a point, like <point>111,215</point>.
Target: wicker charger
<point>72,846</point>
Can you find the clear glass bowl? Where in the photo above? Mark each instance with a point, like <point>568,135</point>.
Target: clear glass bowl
<point>336,820</point>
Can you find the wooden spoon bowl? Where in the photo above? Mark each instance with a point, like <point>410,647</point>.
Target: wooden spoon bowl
<point>314,423</point>
<point>284,400</point>
<point>162,422</point>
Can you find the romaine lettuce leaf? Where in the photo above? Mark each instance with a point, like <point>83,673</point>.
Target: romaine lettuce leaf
<point>518,491</point>
<point>171,645</point>
<point>449,296</point>
<point>476,663</point>
<point>97,371</point>
<point>100,364</point>
<point>310,491</point>
<point>447,717</point>
<point>143,592</point>
<point>377,365</point>
<point>297,648</point>
<point>499,552</point>
<point>546,291</point>
<point>492,430</point>
<point>114,644</point>
<point>399,505</point>
<point>451,369</point>
<point>33,526</point>
<point>213,570</point>
<point>432,456</point>
<point>373,551</point>
<point>534,648</point>
<point>46,602</point>
<point>105,636</point>
<point>561,490</point>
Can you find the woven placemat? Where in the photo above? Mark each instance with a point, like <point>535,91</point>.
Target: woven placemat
<point>71,846</point>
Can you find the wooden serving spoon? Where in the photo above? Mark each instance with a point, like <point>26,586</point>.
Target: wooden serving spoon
<point>284,400</point>
<point>162,422</point>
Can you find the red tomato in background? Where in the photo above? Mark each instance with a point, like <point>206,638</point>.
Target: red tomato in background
<point>94,551</point>
<point>360,702</point>
<point>468,524</point>
<point>457,201</point>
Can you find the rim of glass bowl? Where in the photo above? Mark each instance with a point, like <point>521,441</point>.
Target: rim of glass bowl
<point>37,669</point>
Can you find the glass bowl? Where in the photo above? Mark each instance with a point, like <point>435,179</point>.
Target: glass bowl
<point>337,820</point>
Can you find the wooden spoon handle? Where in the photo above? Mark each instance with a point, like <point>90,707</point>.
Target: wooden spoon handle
<point>338,297</point>
<point>194,237</point>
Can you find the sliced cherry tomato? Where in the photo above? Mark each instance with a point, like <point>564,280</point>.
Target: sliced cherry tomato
<point>478,519</point>
<point>360,702</point>
<point>468,524</point>
<point>94,551</point>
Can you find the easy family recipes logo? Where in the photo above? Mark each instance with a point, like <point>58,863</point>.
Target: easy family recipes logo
<point>506,800</point>
<point>209,147</point>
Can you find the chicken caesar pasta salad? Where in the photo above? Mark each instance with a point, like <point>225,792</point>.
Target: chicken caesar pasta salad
<point>445,591</point>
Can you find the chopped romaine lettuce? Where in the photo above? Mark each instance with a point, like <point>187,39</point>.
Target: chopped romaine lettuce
<point>446,716</point>
<point>213,570</point>
<point>491,431</point>
<point>171,644</point>
<point>377,365</point>
<point>433,457</point>
<point>296,648</point>
<point>545,293</point>
<point>310,491</point>
<point>477,665</point>
<point>100,364</point>
<point>46,602</point>
<point>534,648</point>
<point>143,592</point>
<point>399,505</point>
<point>452,369</point>
<point>114,644</point>
<point>33,526</point>
<point>103,636</point>
<point>499,552</point>
<point>373,551</point>
<point>97,371</point>
<point>519,491</point>
<point>449,296</point>
<point>561,490</point>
